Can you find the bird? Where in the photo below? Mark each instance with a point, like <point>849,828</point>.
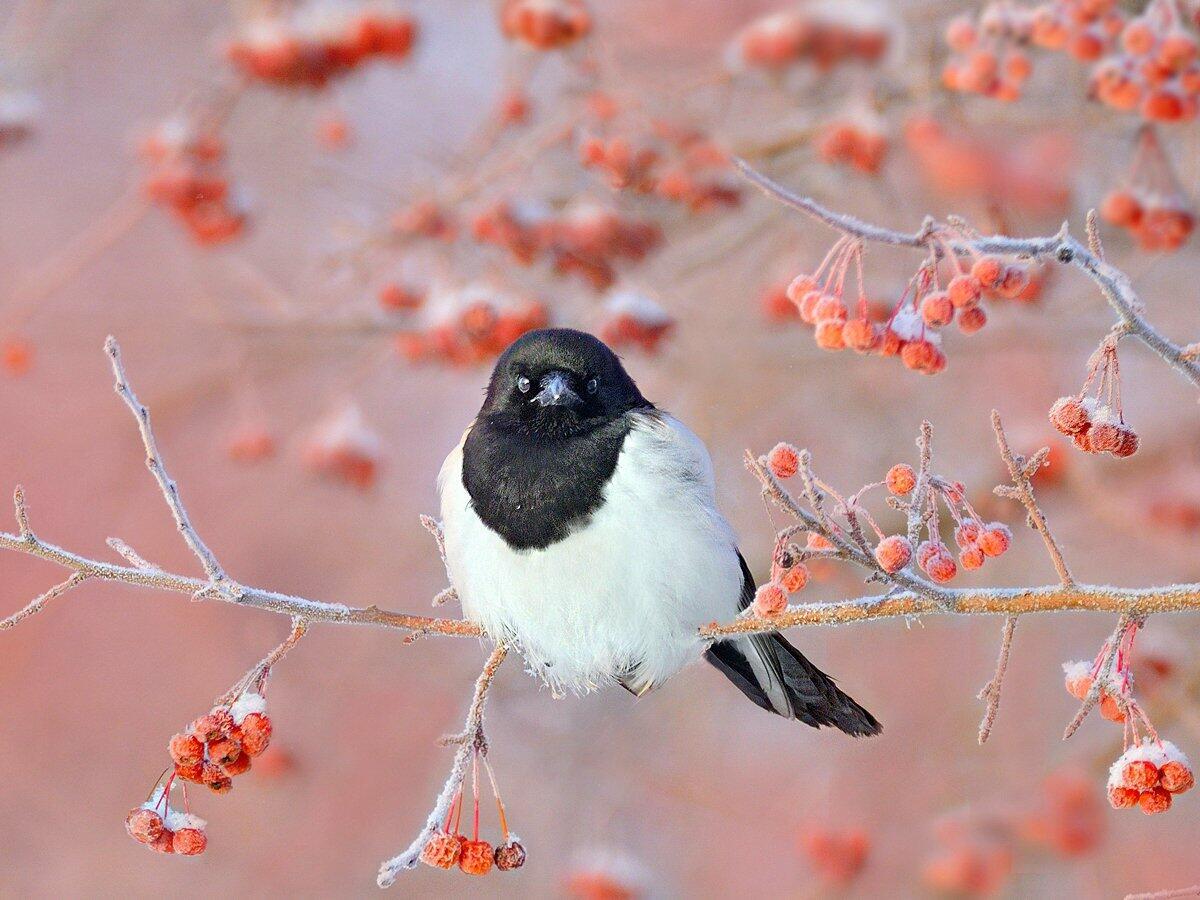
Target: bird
<point>580,526</point>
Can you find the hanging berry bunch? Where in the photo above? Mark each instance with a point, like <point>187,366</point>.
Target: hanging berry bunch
<point>821,35</point>
<point>167,830</point>
<point>1149,202</point>
<point>309,45</point>
<point>449,847</point>
<point>857,141</point>
<point>988,58</point>
<point>1155,70</point>
<point>469,324</point>
<point>186,177</point>
<point>545,24</point>
<point>633,318</point>
<point>343,449</point>
<point>1149,775</point>
<point>1096,422</point>
<point>913,331</point>
<point>1083,29</point>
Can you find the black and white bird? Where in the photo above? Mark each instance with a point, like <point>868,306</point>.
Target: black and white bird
<point>581,526</point>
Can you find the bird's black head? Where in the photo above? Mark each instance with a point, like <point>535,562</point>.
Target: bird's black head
<point>559,382</point>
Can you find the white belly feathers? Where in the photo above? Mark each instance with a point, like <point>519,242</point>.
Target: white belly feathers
<point>622,596</point>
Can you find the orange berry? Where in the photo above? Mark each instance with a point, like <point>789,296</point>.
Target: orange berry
<point>941,567</point>
<point>795,578</point>
<point>213,726</point>
<point>16,355</point>
<point>1162,106</point>
<point>164,843</point>
<point>1069,416</point>
<point>144,825</point>
<point>1123,797</point>
<point>996,539</point>
<point>901,479</point>
<point>920,356</point>
<point>799,287</point>
<point>937,310</point>
<point>1110,709</point>
<point>818,542</point>
<point>967,533</point>
<point>1017,66</point>
<point>224,751</point>
<point>961,34</point>
<point>1079,685</point>
<point>442,851</point>
<point>972,320</point>
<point>830,308</point>
<point>971,557</point>
<point>1176,778</point>
<point>1140,774</point>
<point>784,460</point>
<point>189,842</point>
<point>860,335</point>
<point>1127,443</point>
<point>1138,37</point>
<point>927,550</point>
<point>988,271</point>
<point>193,773</point>
<point>239,766</point>
<point>770,600</point>
<point>1154,801</point>
<point>964,290</point>
<point>395,296</point>
<point>829,335</point>
<point>186,750</point>
<point>1106,437</point>
<point>1121,208</point>
<point>510,856</point>
<point>893,553</point>
<point>256,733</point>
<point>476,857</point>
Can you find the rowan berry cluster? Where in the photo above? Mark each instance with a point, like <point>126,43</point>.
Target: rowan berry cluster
<point>823,35</point>
<point>469,324</point>
<point>630,317</point>
<point>1155,68</point>
<point>1096,423</point>
<point>309,45</point>
<point>186,178</point>
<point>669,161</point>
<point>1084,29</point>
<point>860,143</point>
<point>1149,775</point>
<point>586,239</point>
<point>1150,203</point>
<point>166,830</point>
<point>448,847</point>
<point>343,449</point>
<point>988,58</point>
<point>913,330</point>
<point>545,24</point>
<point>218,746</point>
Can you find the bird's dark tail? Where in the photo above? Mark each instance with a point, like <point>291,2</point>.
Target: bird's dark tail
<point>776,676</point>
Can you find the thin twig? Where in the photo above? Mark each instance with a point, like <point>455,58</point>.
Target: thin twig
<point>990,694</point>
<point>259,672</point>
<point>35,605</point>
<point>1101,679</point>
<point>1193,891</point>
<point>471,739</point>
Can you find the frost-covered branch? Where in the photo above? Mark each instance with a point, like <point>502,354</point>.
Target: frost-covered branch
<point>1062,247</point>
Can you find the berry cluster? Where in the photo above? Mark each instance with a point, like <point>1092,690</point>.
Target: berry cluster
<point>988,59</point>
<point>1149,775</point>
<point>1155,71</point>
<point>545,24</point>
<point>1084,29</point>
<point>586,239</point>
<point>449,847</point>
<point>1081,675</point>
<point>1096,423</point>
<point>186,178</point>
<point>219,745</point>
<point>309,45</point>
<point>1150,203</point>
<point>632,318</point>
<point>166,830</point>
<point>470,324</point>
<point>860,143</point>
<point>913,331</point>
<point>672,162</point>
<point>342,448</point>
<point>823,35</point>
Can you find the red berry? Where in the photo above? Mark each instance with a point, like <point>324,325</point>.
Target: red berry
<point>190,842</point>
<point>937,310</point>
<point>795,578</point>
<point>1154,801</point>
<point>829,334</point>
<point>971,557</point>
<point>1069,416</point>
<point>941,567</point>
<point>224,751</point>
<point>995,539</point>
<point>784,460</point>
<point>964,291</point>
<point>1140,774</point>
<point>860,335</point>
<point>893,553</point>
<point>901,479</point>
<point>1176,777</point>
<point>1123,797</point>
<point>967,533</point>
<point>770,600</point>
<point>144,825</point>
<point>1127,443</point>
<point>476,857</point>
<point>989,271</point>
<point>256,733</point>
<point>972,320</point>
<point>212,726</point>
<point>186,749</point>
<point>442,851</point>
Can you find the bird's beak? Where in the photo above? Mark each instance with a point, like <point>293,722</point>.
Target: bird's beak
<point>556,391</point>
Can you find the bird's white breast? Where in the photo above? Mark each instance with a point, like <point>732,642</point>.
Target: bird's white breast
<point>622,595</point>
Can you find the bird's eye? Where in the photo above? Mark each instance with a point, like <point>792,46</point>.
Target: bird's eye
<point>523,385</point>
<point>592,385</point>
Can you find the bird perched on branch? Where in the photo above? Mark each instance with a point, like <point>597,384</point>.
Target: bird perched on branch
<point>581,525</point>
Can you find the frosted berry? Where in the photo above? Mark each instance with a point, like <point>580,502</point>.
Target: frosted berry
<point>186,749</point>
<point>510,856</point>
<point>783,460</point>
<point>1139,774</point>
<point>971,557</point>
<point>901,479</point>
<point>795,578</point>
<point>893,553</point>
<point>189,842</point>
<point>224,751</point>
<point>256,733</point>
<point>1122,797</point>
<point>442,851</point>
<point>964,291</point>
<point>972,320</point>
<point>1154,801</point>
<point>989,271</point>
<point>476,857</point>
<point>1176,777</point>
<point>144,825</point>
<point>1069,415</point>
<point>770,599</point>
<point>941,567</point>
<point>995,539</point>
<point>216,724</point>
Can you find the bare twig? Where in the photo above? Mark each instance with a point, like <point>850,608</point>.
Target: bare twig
<point>1112,282</point>
<point>1193,891</point>
<point>990,694</point>
<point>170,490</point>
<point>35,605</point>
<point>258,673</point>
<point>471,739</point>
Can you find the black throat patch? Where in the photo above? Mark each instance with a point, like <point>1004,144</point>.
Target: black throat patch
<point>535,490</point>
